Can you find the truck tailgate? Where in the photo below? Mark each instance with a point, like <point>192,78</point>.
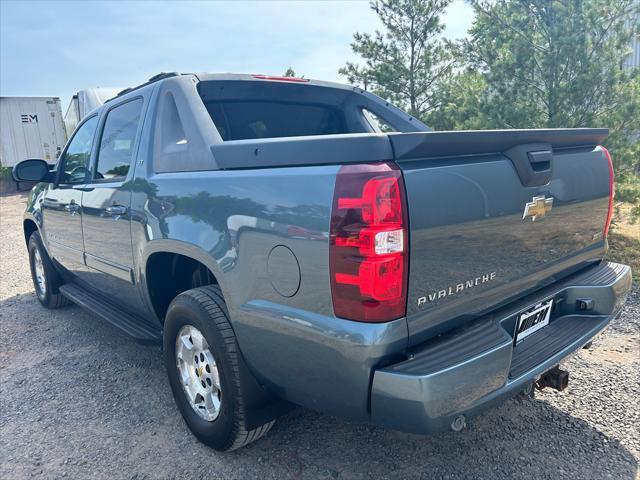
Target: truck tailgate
<point>495,215</point>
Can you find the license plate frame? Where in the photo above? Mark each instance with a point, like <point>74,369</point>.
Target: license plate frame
<point>533,319</point>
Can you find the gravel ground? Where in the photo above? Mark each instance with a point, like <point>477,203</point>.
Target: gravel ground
<point>79,400</point>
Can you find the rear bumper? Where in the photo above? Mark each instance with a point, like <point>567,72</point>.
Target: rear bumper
<point>475,367</point>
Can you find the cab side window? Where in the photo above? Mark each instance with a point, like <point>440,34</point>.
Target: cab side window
<point>75,160</point>
<point>378,123</point>
<point>118,141</point>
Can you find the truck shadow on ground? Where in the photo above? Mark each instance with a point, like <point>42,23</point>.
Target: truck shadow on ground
<point>78,398</point>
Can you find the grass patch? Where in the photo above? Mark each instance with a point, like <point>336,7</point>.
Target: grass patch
<point>624,237</point>
<point>625,250</point>
<point>5,172</point>
<point>627,209</point>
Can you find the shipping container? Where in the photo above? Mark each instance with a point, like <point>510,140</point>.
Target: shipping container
<point>84,102</point>
<point>30,127</point>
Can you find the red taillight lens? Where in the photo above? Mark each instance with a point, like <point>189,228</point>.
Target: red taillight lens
<point>612,190</point>
<point>368,243</point>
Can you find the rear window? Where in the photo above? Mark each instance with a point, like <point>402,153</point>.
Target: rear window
<point>241,120</point>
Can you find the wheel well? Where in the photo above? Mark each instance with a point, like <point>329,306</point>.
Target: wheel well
<point>169,274</point>
<point>29,227</point>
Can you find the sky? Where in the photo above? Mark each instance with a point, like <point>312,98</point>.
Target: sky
<point>55,48</point>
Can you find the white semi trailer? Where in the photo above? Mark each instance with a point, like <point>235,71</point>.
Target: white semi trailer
<point>84,102</point>
<point>30,127</point>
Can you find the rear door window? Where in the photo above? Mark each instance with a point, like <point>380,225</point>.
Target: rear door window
<point>240,120</point>
<point>118,141</point>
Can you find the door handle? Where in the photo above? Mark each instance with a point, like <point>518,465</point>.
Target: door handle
<point>116,211</point>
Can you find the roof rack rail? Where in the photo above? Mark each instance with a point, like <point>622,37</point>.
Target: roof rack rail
<point>155,78</point>
<point>162,75</point>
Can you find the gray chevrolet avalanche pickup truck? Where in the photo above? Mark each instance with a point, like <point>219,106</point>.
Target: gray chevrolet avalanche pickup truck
<point>291,241</point>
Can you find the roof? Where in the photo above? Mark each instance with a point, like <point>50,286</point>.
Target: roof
<point>242,77</point>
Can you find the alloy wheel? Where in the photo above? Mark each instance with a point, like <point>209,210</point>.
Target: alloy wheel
<point>198,373</point>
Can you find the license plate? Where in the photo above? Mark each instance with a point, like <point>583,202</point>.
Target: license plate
<point>533,319</point>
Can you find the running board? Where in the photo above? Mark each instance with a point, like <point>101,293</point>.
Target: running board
<point>139,328</point>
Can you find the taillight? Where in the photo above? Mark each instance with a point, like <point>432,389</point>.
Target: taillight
<point>612,190</point>
<point>368,256</point>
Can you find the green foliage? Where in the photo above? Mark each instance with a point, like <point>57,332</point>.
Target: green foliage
<point>526,64</point>
<point>405,63</point>
<point>5,172</point>
<point>552,63</point>
<point>624,130</point>
<point>460,103</point>
<point>290,72</point>
<point>555,64</point>
<point>628,191</point>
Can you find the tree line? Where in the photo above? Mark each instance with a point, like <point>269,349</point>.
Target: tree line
<point>523,64</point>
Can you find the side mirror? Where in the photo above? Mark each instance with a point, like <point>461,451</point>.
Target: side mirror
<point>31,171</point>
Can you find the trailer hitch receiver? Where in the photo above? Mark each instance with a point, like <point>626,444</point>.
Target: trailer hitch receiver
<point>555,378</point>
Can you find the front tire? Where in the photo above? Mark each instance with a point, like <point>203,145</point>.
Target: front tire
<point>46,279</point>
<point>205,370</point>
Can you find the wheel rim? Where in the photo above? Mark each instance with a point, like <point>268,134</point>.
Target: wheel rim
<point>198,373</point>
<point>40,278</point>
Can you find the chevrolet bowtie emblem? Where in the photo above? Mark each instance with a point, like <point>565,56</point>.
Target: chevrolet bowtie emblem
<point>538,207</point>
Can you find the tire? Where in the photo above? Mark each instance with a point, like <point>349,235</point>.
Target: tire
<point>46,280</point>
<point>204,309</point>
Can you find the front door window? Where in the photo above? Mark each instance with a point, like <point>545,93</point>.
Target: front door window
<point>75,160</point>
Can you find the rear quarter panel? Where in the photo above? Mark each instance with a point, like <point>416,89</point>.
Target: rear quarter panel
<point>237,218</point>
<point>231,221</point>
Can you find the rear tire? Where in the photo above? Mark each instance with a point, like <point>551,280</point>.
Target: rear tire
<point>203,311</point>
<point>46,280</point>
